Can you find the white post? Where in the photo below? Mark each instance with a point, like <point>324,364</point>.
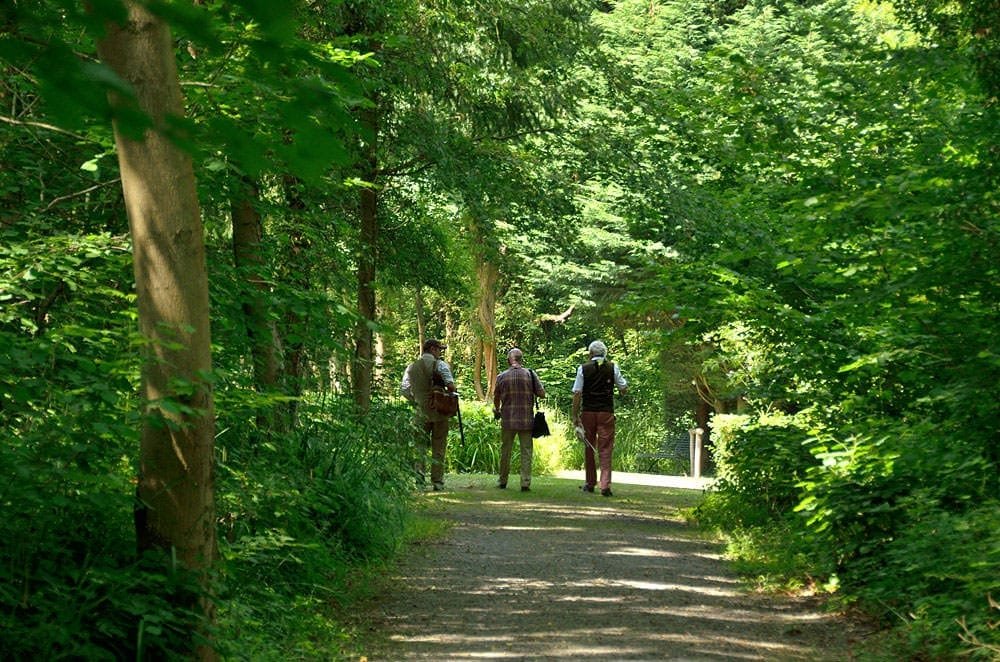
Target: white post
<point>695,448</point>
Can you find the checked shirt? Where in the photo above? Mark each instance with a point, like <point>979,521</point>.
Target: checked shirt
<point>515,390</point>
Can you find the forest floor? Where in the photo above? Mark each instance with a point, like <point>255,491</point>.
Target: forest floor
<point>557,573</point>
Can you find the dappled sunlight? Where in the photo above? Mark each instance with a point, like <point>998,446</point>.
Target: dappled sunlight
<point>525,577</point>
<point>646,585</point>
<point>586,598</point>
<point>738,615</point>
<point>662,553</point>
<point>521,583</point>
<point>539,528</point>
<point>635,551</point>
<point>719,580</point>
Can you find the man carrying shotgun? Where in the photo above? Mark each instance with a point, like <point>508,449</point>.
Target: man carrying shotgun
<point>430,425</point>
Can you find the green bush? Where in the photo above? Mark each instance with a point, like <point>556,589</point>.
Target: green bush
<point>70,583</point>
<point>938,575</point>
<point>759,465</point>
<point>636,432</point>
<point>881,517</point>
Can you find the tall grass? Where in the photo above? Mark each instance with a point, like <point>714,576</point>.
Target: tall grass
<point>480,451</point>
<point>637,431</point>
<point>302,517</point>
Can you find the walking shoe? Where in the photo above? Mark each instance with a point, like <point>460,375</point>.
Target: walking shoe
<point>587,488</point>
<point>606,491</point>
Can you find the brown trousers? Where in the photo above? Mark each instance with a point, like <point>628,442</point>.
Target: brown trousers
<point>599,426</point>
<point>435,432</point>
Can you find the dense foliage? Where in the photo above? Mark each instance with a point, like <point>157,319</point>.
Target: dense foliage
<point>781,216</point>
<point>844,276</point>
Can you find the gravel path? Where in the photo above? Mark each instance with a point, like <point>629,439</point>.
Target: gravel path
<point>557,574</point>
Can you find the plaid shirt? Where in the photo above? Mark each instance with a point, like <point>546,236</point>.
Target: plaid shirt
<point>514,395</point>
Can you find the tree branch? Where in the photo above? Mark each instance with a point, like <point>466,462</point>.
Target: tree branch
<point>420,164</point>
<point>85,191</point>
<point>42,125</point>
<point>560,318</point>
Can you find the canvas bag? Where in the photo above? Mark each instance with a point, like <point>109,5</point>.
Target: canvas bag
<point>439,398</point>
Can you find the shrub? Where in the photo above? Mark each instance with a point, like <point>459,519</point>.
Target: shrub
<point>299,514</point>
<point>759,464</point>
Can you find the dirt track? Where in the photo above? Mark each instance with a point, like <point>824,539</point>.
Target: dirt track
<point>557,574</point>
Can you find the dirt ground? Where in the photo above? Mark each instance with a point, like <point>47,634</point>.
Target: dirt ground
<point>559,574</point>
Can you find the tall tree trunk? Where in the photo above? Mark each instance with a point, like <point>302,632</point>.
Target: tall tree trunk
<point>247,237</point>
<point>379,367</point>
<point>364,336</point>
<point>487,275</point>
<point>477,371</point>
<point>295,350</point>
<point>175,460</point>
<point>421,321</point>
<point>704,408</point>
<point>621,339</point>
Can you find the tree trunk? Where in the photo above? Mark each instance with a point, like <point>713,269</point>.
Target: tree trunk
<point>703,410</point>
<point>421,322</point>
<point>247,236</point>
<point>477,371</point>
<point>487,275</point>
<point>177,513</point>
<point>379,367</point>
<point>294,365</point>
<point>364,336</point>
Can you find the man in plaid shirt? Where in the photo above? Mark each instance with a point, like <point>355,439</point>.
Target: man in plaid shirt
<point>513,403</point>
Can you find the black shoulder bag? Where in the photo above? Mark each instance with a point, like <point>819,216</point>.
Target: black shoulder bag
<point>540,427</point>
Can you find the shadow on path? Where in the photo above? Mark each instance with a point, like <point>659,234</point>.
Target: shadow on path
<point>559,574</point>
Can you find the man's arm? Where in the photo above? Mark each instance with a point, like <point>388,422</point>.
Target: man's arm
<point>404,388</point>
<point>537,387</point>
<point>620,380</point>
<point>497,388</point>
<point>445,371</point>
<point>577,393</point>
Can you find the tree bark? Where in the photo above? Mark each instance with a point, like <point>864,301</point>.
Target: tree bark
<point>364,336</point>
<point>487,275</point>
<point>294,355</point>
<point>247,238</point>
<point>477,371</point>
<point>421,321</point>
<point>177,514</point>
